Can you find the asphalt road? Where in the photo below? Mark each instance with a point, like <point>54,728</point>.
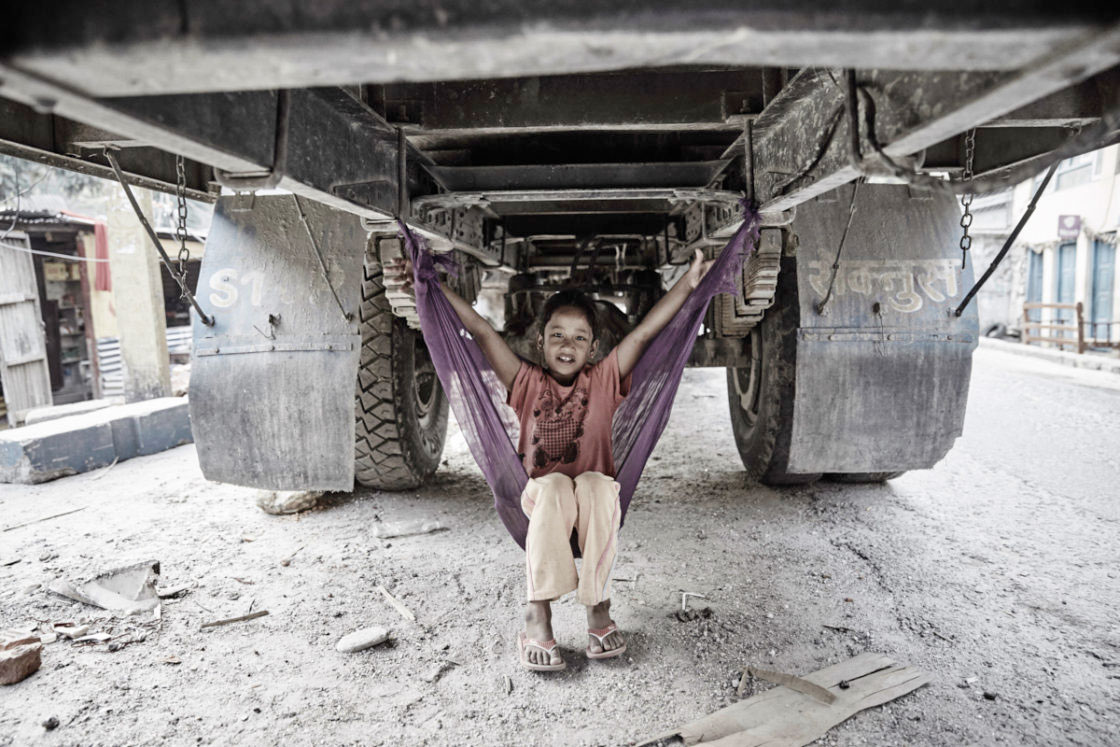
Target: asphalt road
<point>996,572</point>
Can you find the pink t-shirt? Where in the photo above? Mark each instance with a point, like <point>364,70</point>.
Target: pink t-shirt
<point>567,429</point>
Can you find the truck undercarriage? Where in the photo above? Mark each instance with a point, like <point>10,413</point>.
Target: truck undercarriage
<point>570,144</point>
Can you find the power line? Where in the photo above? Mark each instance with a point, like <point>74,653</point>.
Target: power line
<point>68,257</point>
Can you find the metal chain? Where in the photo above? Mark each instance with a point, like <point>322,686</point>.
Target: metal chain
<point>966,198</point>
<point>181,228</point>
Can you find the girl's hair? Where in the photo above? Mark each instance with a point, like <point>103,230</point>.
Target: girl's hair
<point>575,299</point>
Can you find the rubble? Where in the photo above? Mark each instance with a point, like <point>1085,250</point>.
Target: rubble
<point>407,528</point>
<point>20,656</point>
<point>362,639</point>
<point>127,591</point>
<point>283,502</point>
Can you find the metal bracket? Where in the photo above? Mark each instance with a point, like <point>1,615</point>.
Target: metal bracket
<point>269,180</point>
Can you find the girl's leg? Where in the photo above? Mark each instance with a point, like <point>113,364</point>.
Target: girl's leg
<point>599,514</point>
<point>550,569</point>
<point>597,524</point>
<point>550,504</point>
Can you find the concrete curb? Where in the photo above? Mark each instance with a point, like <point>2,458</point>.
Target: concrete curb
<point>79,443</point>
<point>1091,361</point>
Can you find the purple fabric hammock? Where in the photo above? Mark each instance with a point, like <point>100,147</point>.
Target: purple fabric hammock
<point>478,398</point>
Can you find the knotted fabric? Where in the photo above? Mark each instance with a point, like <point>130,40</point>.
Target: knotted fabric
<point>478,398</point>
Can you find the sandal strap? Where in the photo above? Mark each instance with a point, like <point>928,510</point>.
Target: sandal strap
<point>602,633</point>
<point>547,646</point>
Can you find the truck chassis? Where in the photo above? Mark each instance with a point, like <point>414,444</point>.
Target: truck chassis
<point>547,146</point>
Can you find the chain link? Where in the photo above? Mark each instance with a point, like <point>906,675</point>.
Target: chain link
<point>966,198</point>
<point>181,228</point>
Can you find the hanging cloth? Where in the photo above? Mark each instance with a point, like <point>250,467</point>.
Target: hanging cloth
<point>478,398</point>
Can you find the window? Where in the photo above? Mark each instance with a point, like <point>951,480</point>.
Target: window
<point>1034,284</point>
<point>1064,284</point>
<point>1076,171</point>
<point>1100,309</point>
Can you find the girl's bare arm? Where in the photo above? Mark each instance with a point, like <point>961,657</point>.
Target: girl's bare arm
<point>503,360</point>
<point>634,344</point>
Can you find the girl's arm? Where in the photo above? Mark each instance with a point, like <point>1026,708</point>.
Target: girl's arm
<point>632,346</point>
<point>503,360</point>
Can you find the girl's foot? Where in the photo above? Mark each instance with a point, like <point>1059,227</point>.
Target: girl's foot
<point>538,628</point>
<point>606,642</point>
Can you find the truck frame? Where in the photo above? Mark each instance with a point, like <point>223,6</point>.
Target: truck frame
<point>551,144</point>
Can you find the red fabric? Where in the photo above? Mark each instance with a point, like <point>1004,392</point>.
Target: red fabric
<point>567,429</point>
<point>103,279</point>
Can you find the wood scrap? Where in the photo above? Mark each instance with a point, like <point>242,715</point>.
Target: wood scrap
<point>404,611</point>
<point>288,560</point>
<point>45,518</point>
<point>787,717</point>
<point>407,528</point>
<point>105,471</point>
<point>242,618</point>
<point>788,680</point>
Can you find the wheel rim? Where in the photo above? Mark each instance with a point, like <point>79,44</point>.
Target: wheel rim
<point>748,381</point>
<point>425,389</point>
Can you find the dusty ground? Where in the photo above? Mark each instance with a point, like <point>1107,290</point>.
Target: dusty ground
<point>997,571</point>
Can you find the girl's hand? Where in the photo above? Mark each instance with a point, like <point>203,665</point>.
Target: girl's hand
<point>698,269</point>
<point>398,272</point>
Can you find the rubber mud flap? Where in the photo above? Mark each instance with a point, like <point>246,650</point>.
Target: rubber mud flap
<point>272,382</point>
<point>882,374</point>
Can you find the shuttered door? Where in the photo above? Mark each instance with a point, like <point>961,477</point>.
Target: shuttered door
<point>1034,285</point>
<point>1104,271</point>
<point>1067,261</point>
<point>23,352</point>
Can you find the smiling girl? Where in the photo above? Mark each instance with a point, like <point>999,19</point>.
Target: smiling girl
<point>565,407</point>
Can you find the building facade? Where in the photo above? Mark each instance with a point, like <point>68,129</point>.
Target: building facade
<point>1066,253</point>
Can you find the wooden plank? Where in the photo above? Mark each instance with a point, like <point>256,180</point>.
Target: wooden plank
<point>784,717</point>
<point>1055,340</point>
<point>23,365</point>
<point>1040,305</point>
<point>24,359</point>
<point>14,297</point>
<point>1039,325</point>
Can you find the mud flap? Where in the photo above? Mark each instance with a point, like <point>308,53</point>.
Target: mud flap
<point>882,375</point>
<point>272,382</point>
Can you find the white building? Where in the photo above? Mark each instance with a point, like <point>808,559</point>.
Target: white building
<point>1065,254</point>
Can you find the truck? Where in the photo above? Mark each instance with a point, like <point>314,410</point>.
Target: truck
<point>544,145</point>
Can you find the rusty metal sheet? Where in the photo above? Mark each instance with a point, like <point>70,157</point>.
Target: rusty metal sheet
<point>272,382</point>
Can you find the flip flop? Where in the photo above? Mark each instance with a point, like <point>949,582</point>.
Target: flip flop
<point>549,647</point>
<point>601,634</point>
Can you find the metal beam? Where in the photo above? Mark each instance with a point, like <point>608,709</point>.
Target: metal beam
<point>576,176</point>
<point>62,143</point>
<point>582,201</point>
<point>997,148</point>
<point>338,154</point>
<point>128,47</point>
<point>1075,106</point>
<point>631,100</point>
<point>802,150</point>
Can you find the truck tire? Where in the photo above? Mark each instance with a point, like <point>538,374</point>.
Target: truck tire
<point>860,477</point>
<point>761,395</point>
<point>401,409</point>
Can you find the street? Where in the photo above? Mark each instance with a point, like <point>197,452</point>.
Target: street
<point>997,572</point>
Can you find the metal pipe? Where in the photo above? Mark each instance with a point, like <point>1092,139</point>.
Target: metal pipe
<point>181,280</point>
<point>1010,240</point>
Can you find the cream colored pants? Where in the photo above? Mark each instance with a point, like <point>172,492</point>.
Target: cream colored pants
<point>556,504</point>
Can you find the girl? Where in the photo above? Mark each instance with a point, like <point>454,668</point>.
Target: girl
<point>565,407</point>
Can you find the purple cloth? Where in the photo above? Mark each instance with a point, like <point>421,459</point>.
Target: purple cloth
<point>478,398</point>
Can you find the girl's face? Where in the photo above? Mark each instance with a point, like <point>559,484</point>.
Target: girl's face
<point>566,343</point>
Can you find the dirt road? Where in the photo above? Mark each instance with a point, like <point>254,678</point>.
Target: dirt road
<point>997,572</point>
